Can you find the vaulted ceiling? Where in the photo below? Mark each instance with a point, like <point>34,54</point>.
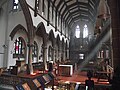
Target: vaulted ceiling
<point>75,10</point>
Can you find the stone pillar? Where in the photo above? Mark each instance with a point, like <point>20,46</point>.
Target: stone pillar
<point>115,24</point>
<point>30,28</point>
<point>53,55</point>
<point>55,52</point>
<point>67,53</point>
<point>30,67</point>
<point>45,56</point>
<point>59,52</point>
<point>62,52</point>
<point>64,58</point>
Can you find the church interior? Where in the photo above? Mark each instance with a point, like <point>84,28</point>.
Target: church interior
<point>59,44</point>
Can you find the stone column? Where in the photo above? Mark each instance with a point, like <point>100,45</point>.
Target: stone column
<point>67,53</point>
<point>45,56</point>
<point>64,58</point>
<point>55,52</point>
<point>30,28</point>
<point>115,24</point>
<point>30,67</point>
<point>59,52</point>
<point>53,55</point>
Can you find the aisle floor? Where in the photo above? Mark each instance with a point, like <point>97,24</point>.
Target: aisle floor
<point>81,77</point>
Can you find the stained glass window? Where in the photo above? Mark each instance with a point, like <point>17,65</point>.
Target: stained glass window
<point>19,48</point>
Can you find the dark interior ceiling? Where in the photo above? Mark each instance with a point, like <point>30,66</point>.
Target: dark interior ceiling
<point>75,10</point>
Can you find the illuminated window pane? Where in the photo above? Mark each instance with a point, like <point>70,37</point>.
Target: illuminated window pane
<point>37,4</point>
<point>16,1</point>
<point>77,32</point>
<point>15,4</point>
<point>18,48</point>
<point>81,56</point>
<point>85,31</point>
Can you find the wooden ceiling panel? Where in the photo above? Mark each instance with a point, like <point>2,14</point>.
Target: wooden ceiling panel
<point>70,9</point>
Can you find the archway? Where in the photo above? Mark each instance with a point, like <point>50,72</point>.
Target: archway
<point>51,38</point>
<point>41,32</point>
<point>58,54</point>
<point>30,29</point>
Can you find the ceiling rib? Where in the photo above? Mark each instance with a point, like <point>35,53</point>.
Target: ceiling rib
<point>72,9</point>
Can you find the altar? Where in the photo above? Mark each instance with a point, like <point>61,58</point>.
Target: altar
<point>66,70</point>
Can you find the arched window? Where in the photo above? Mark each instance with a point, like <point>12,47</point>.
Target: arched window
<point>35,52</point>
<point>85,31</point>
<point>77,32</point>
<point>19,48</point>
<point>15,4</point>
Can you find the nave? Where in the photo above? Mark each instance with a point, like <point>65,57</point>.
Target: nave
<point>46,40</point>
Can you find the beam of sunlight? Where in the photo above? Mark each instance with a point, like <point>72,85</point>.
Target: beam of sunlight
<point>94,51</point>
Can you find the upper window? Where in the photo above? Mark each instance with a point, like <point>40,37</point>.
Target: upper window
<point>77,32</point>
<point>85,31</point>
<point>15,4</point>
<point>38,4</point>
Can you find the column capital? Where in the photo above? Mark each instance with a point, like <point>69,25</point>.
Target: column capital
<point>44,47</point>
<point>30,45</point>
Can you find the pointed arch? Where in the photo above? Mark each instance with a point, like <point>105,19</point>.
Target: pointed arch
<point>58,40</point>
<point>30,28</point>
<point>28,17</point>
<point>52,37</point>
<point>16,29</point>
<point>41,31</point>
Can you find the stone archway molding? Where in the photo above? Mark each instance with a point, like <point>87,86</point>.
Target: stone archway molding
<point>16,29</point>
<point>30,29</point>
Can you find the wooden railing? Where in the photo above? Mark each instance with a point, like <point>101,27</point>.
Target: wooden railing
<point>110,69</point>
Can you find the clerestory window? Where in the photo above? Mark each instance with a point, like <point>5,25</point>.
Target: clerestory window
<point>77,31</point>
<point>85,31</point>
<point>15,4</point>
